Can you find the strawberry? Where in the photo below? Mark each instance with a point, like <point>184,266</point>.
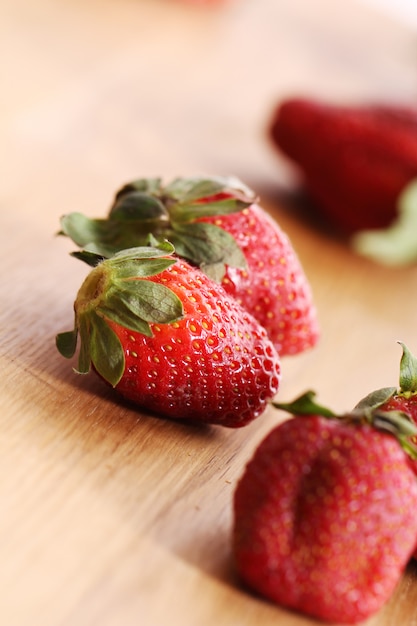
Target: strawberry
<point>217,225</point>
<point>171,340</point>
<point>398,399</point>
<point>355,161</point>
<point>324,513</point>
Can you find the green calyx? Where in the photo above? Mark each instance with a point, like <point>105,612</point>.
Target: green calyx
<point>396,422</point>
<point>145,207</point>
<point>304,405</point>
<point>396,245</point>
<point>368,411</point>
<point>407,383</point>
<point>116,290</point>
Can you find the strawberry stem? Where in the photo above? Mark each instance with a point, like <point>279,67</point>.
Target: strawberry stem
<point>408,372</point>
<point>91,292</point>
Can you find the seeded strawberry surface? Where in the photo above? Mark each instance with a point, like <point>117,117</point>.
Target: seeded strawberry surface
<point>216,225</point>
<point>324,518</point>
<point>214,365</point>
<point>273,286</point>
<point>171,340</point>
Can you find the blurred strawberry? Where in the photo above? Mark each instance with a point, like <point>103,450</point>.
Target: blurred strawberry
<point>401,399</point>
<point>356,163</point>
<point>324,514</point>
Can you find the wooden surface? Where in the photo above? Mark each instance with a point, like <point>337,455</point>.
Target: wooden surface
<point>108,516</point>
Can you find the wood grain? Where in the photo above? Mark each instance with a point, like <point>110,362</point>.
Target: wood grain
<point>108,515</point>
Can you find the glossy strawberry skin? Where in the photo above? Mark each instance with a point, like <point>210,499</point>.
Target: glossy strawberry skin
<point>325,518</point>
<point>273,287</point>
<point>215,365</point>
<point>355,161</point>
<point>215,224</point>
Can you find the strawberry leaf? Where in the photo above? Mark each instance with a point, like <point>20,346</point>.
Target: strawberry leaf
<point>151,186</point>
<point>123,315</point>
<point>190,190</point>
<point>130,268</point>
<point>132,205</point>
<point>154,250</point>
<point>188,199</point>
<point>88,256</point>
<point>192,211</point>
<point>186,190</point>
<point>84,357</point>
<point>206,244</point>
<point>304,405</point>
<point>81,229</point>
<point>105,237</point>
<point>106,351</point>
<point>215,271</point>
<point>158,250</point>
<point>67,343</point>
<point>142,300</point>
<point>376,398</point>
<point>144,209</point>
<point>397,245</point>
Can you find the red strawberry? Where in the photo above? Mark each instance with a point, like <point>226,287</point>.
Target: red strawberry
<point>171,340</point>
<point>355,161</point>
<point>215,224</point>
<point>402,399</point>
<point>324,515</point>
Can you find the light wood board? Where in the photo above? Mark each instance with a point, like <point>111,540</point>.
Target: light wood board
<point>109,516</point>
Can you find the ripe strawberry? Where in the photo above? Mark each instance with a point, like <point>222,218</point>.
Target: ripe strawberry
<point>217,225</point>
<point>324,514</point>
<point>401,399</point>
<point>355,161</point>
<point>171,340</point>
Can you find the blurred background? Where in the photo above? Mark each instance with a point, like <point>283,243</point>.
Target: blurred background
<point>405,10</point>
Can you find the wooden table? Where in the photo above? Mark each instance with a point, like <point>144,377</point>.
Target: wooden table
<point>109,516</point>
